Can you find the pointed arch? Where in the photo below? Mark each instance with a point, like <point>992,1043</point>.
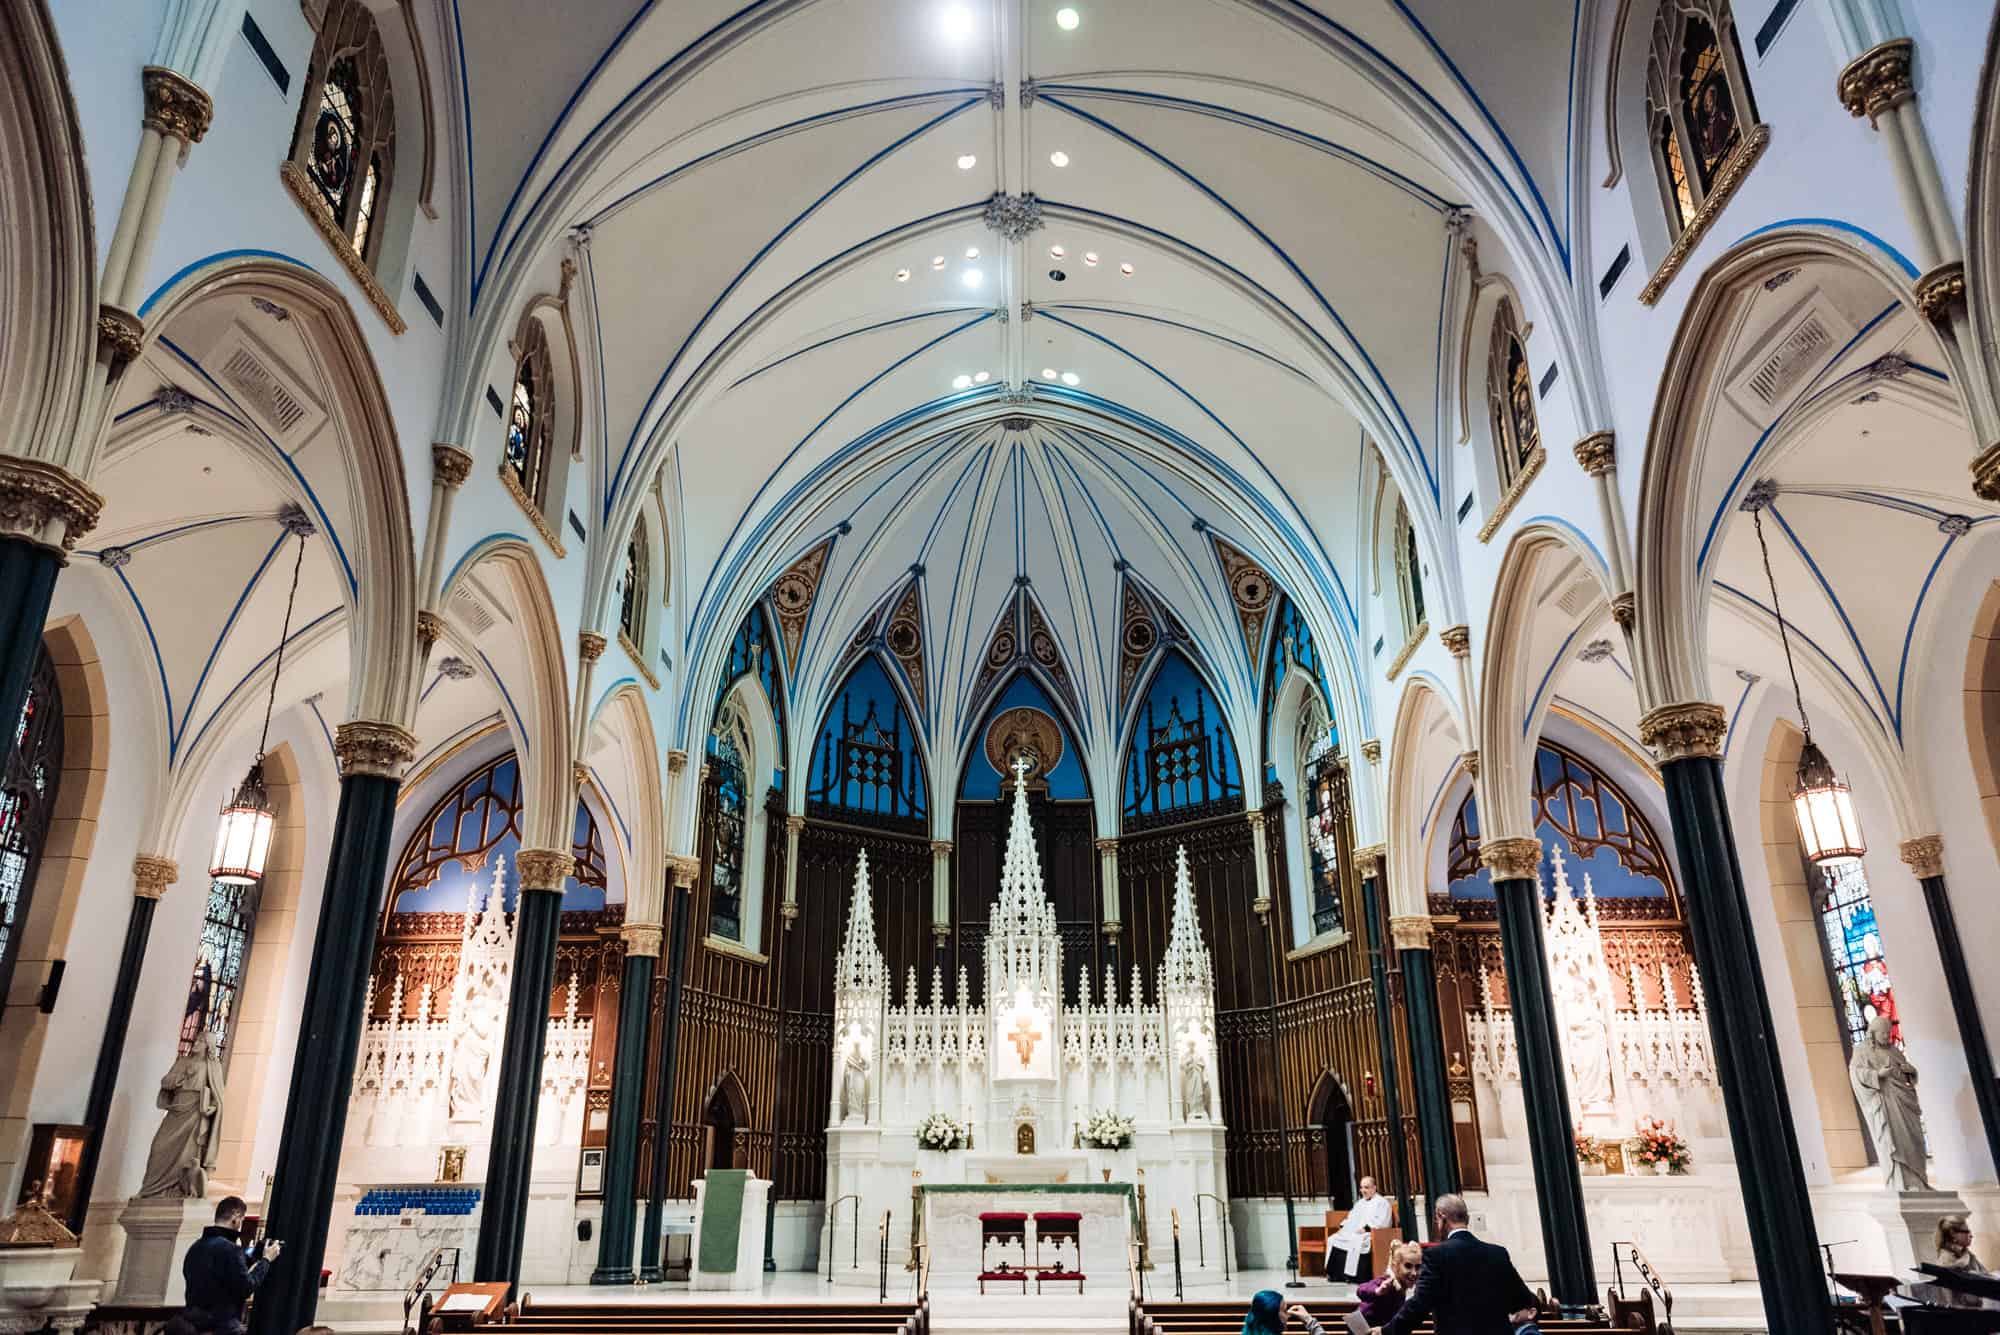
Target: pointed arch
<point>1181,761</point>
<point>622,716</point>
<point>1424,752</point>
<point>868,761</point>
<point>1023,707</point>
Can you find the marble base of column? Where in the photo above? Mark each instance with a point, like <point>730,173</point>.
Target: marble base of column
<point>621,1157</point>
<point>110,1048</point>
<point>1385,1040</point>
<point>27,582</point>
<point>650,1271</point>
<point>1437,1140</point>
<point>300,1203</point>
<point>1545,1091</point>
<point>1971,1029</point>
<point>503,1219</point>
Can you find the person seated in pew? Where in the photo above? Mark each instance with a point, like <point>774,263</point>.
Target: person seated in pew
<point>1371,1211</point>
<point>1270,1312</point>
<point>1469,1286</point>
<point>1383,1296</point>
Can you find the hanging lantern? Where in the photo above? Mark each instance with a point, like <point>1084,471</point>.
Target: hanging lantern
<point>1824,808</point>
<point>243,836</point>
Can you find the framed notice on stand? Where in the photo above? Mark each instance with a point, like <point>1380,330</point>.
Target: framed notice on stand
<point>590,1173</point>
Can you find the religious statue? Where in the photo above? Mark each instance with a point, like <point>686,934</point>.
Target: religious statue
<point>472,1064</point>
<point>1194,1088</point>
<point>190,1135</point>
<point>854,1085</point>
<point>1885,1085</point>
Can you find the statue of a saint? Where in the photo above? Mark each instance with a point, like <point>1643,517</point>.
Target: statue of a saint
<point>1194,1088</point>
<point>190,1135</point>
<point>1885,1084</point>
<point>472,1062</point>
<point>854,1086</point>
<point>1586,1049</point>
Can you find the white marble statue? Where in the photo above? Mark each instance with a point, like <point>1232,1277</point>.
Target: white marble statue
<point>854,1087</point>
<point>190,1135</point>
<point>472,1064</point>
<point>1194,1088</point>
<point>1885,1084</point>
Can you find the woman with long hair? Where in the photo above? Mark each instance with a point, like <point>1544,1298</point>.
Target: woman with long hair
<point>1270,1311</point>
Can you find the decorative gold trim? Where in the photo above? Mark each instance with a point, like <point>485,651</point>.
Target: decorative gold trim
<point>941,846</point>
<point>1106,846</point>
<point>1727,178</point>
<point>301,189</point>
<point>1941,289</point>
<point>45,503</point>
<point>1640,760</point>
<point>632,652</point>
<point>1597,453</point>
<point>1256,819</point>
<point>1877,80</point>
<point>590,646</point>
<point>641,938</point>
<point>1371,750</point>
<point>544,869</point>
<point>1512,859</point>
<point>1457,640</point>
<point>151,875</point>
<point>450,464</point>
<point>380,750</point>
<point>1261,906</point>
<point>1368,861</point>
<point>1925,854</point>
<point>677,761</point>
<point>1112,928</point>
<point>175,105</point>
<point>1411,931</point>
<point>579,774</point>
<point>789,911</point>
<point>430,629</point>
<point>722,946</point>
<point>1470,759</point>
<point>1531,468</point>
<point>794,824</point>
<point>1684,731</point>
<point>531,510</point>
<point>120,335</point>
<point>685,867</point>
<point>1624,608</point>
<point>1986,474</point>
<point>1409,649</point>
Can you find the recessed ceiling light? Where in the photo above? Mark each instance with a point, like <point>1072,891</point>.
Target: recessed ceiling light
<point>1059,159</point>
<point>956,23</point>
<point>1067,19</point>
<point>902,275</point>
<point>1049,373</point>
<point>972,252</point>
<point>937,261</point>
<point>966,162</point>
<point>1071,378</point>
<point>1125,269</point>
<point>962,382</point>
<point>1057,252</point>
<point>1090,257</point>
<point>982,377</point>
<point>971,277</point>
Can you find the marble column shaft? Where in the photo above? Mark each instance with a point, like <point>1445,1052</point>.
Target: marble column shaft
<point>628,1092</point>
<point>28,573</point>
<point>1437,1138</point>
<point>679,893</point>
<point>1385,1038</point>
<point>1926,859</point>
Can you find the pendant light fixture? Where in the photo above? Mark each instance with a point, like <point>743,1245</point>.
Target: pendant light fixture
<point>1822,805</point>
<point>243,835</point>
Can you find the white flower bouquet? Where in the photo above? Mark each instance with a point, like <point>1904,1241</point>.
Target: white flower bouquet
<point>1108,1131</point>
<point>942,1131</point>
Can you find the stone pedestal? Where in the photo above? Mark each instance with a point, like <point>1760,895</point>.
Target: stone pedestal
<point>158,1232</point>
<point>1909,1223</point>
<point>36,1290</point>
<point>748,1270</point>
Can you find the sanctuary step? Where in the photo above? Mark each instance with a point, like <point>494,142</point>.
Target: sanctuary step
<point>1225,1317</point>
<point>731,1318</point>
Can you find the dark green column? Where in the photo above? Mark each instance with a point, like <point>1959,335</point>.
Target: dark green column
<point>1687,738</point>
<point>663,1099</point>
<point>1369,863</point>
<point>503,1216</point>
<point>628,1079</point>
<point>301,1198</point>
<point>1544,1085</point>
<point>27,581</point>
<point>1926,858</point>
<point>1437,1139</point>
<point>150,877</point>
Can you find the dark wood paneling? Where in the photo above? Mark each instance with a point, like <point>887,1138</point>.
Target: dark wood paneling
<point>1065,836</point>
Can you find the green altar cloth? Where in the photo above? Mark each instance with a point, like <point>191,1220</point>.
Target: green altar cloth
<point>721,1219</point>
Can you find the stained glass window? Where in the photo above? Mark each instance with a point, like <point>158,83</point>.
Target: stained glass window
<point>449,859</point>
<point>1580,810</point>
<point>632,587</point>
<point>1409,570</point>
<point>528,414</point>
<point>1327,833</point>
<point>1856,966</point>
<point>1698,101</point>
<point>220,960</point>
<point>732,827</point>
<point>346,136</point>
<point>1510,389</point>
<point>27,801</point>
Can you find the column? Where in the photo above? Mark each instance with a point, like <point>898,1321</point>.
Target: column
<point>1261,906</point>
<point>43,512</point>
<point>503,1220</point>
<point>794,826</point>
<point>683,870</point>
<point>300,1204</point>
<point>151,875</point>
<point>1437,1138</point>
<point>1544,1088</point>
<point>1368,863</point>
<point>1107,876</point>
<point>941,895</point>
<point>628,1076</point>
<point>1687,738</point>
<point>1597,455</point>
<point>1925,856</point>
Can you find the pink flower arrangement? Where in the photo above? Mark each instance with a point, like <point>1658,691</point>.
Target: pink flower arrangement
<point>1659,1143</point>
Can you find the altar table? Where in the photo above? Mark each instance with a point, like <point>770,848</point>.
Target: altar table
<point>1099,1220</point>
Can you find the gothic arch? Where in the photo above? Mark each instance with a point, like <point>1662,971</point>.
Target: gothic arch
<point>1418,767</point>
<point>623,710</point>
<point>1982,708</point>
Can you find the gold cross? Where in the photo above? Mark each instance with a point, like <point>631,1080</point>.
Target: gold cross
<point>1024,1038</point>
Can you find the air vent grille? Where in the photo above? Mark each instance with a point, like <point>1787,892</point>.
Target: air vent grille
<point>1792,359</point>
<point>1792,349</point>
<point>258,388</point>
<point>465,605</point>
<point>1577,598</point>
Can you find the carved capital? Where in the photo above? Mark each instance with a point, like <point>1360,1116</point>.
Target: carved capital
<point>1682,731</point>
<point>1256,819</point>
<point>1597,453</point>
<point>793,826</point>
<point>579,774</point>
<point>380,749</point>
<point>1457,640</point>
<point>685,868</point>
<point>789,911</point>
<point>1925,854</point>
<point>1368,861</point>
<point>641,938</point>
<point>941,848</point>
<point>175,106</point>
<point>450,465</point>
<point>590,646</point>
<point>120,335</point>
<point>1512,859</point>
<point>1986,474</point>
<point>1624,608</point>
<point>1410,932</point>
<point>544,868</point>
<point>430,629</point>
<point>1261,906</point>
<point>940,933</point>
<point>1471,760</point>
<point>1371,750</point>
<point>1941,291</point>
<point>151,875</point>
<point>1878,79</point>
<point>676,761</point>
<point>1112,928</point>
<point>45,504</point>
<point>1106,846</point>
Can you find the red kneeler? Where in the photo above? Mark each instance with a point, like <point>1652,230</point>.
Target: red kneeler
<point>1054,1226</point>
<point>1003,1226</point>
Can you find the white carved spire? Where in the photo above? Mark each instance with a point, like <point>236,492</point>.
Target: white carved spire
<point>859,964</point>
<point>1023,944</point>
<point>1186,967</point>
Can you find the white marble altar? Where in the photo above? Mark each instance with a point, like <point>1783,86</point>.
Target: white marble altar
<point>951,1223</point>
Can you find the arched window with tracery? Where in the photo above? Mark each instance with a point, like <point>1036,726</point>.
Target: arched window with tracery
<point>1698,102</point>
<point>1409,571</point>
<point>632,590</point>
<point>346,138</point>
<point>530,417</point>
<point>1510,390</point>
<point>1329,830</point>
<point>729,748</point>
<point>1851,943</point>
<point>27,803</point>
<point>449,860</point>
<point>220,959</point>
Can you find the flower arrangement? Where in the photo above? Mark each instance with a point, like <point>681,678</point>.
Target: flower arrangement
<point>1108,1131</point>
<point>1586,1147</point>
<point>1660,1144</point>
<point>942,1131</point>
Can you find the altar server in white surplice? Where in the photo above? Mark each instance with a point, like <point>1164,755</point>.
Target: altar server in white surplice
<point>1347,1251</point>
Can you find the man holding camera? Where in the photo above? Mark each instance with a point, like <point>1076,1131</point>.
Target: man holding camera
<point>221,1274</point>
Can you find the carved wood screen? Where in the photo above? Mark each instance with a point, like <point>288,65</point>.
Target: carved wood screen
<point>1065,838</point>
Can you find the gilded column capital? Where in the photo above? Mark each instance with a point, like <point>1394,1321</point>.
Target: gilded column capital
<point>641,938</point>
<point>676,761</point>
<point>1624,608</point>
<point>450,465</point>
<point>1940,291</point>
<point>685,868</point>
<point>1411,931</point>
<point>579,774</point>
<point>1471,761</point>
<point>1457,640</point>
<point>1261,906</point>
<point>120,335</point>
<point>1598,453</point>
<point>151,875</point>
<point>1512,859</point>
<point>789,911</point>
<point>1256,819</point>
<point>1986,474</point>
<point>940,933</point>
<point>1683,731</point>
<point>590,646</point>
<point>1112,928</point>
<point>1106,845</point>
<point>1878,79</point>
<point>1925,854</point>
<point>44,503</point>
<point>793,825</point>
<point>544,869</point>
<point>430,629</point>
<point>175,105</point>
<point>941,848</point>
<point>1368,861</point>
<point>1371,750</point>
<point>378,749</point>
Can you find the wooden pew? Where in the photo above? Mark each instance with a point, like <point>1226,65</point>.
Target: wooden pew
<point>1225,1317</point>
<point>710,1318</point>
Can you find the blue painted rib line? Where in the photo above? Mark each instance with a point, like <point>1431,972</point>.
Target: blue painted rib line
<point>256,667</point>
<point>1853,636</point>
<point>1056,464</point>
<point>1115,312</point>
<point>228,624</point>
<point>1798,633</point>
<point>1838,225</point>
<point>522,740</point>
<point>477,550</point>
<point>603,401</point>
<point>1729,733</point>
<point>159,661</point>
<point>950,498</point>
<point>312,702</point>
<point>829,341</point>
<point>1062,568</point>
<point>167,535</point>
<point>1535,700</point>
<point>1910,629</point>
<point>220,257</point>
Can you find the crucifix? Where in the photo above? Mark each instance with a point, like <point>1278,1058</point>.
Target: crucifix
<point>1024,1037</point>
<point>1022,764</point>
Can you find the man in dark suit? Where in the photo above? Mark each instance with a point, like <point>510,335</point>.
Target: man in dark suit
<point>1469,1286</point>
